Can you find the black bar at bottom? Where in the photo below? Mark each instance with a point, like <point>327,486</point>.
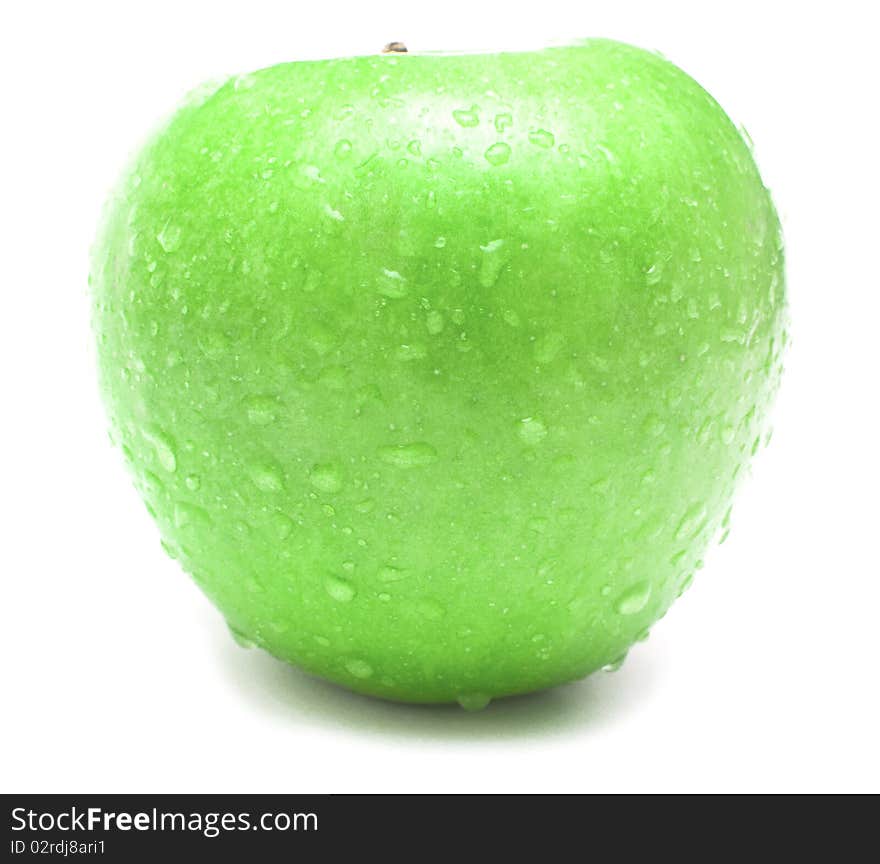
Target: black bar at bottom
<point>406,827</point>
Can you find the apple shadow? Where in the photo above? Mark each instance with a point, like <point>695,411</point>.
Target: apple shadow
<point>276,688</point>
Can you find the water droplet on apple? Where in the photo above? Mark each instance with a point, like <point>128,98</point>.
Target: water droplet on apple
<point>266,477</point>
<point>542,138</point>
<point>163,448</point>
<point>342,148</point>
<point>326,477</point>
<point>498,153</point>
<point>358,668</point>
<point>434,322</point>
<point>685,583</point>
<point>244,81</point>
<point>188,517</point>
<point>692,522</point>
<point>312,173</point>
<point>365,506</point>
<point>429,609</point>
<point>503,121</point>
<point>312,281</point>
<point>467,117</point>
<point>744,133</point>
<point>261,410</point>
<point>494,258</point>
<point>725,521</point>
<point>391,574</point>
<point>678,557</point>
<point>473,701</point>
<point>193,482</point>
<point>725,527</point>
<point>169,237</point>
<point>410,455</point>
<point>411,351</point>
<point>634,598</point>
<point>240,638</point>
<point>531,430</point>
<point>392,284</point>
<point>609,156</point>
<point>733,334</point>
<point>654,273</point>
<point>333,213</point>
<point>339,589</point>
<point>654,426</point>
<point>213,344</point>
<point>615,664</point>
<point>440,242</point>
<point>283,525</point>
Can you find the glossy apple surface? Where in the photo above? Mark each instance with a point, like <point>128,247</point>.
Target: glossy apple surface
<point>438,373</point>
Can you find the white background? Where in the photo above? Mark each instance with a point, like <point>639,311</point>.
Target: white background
<point>119,676</point>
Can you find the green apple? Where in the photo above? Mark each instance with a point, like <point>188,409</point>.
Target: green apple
<point>438,373</point>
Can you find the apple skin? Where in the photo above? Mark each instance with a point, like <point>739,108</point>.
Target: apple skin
<point>438,373</point>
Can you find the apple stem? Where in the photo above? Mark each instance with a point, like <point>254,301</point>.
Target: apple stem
<point>394,48</point>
